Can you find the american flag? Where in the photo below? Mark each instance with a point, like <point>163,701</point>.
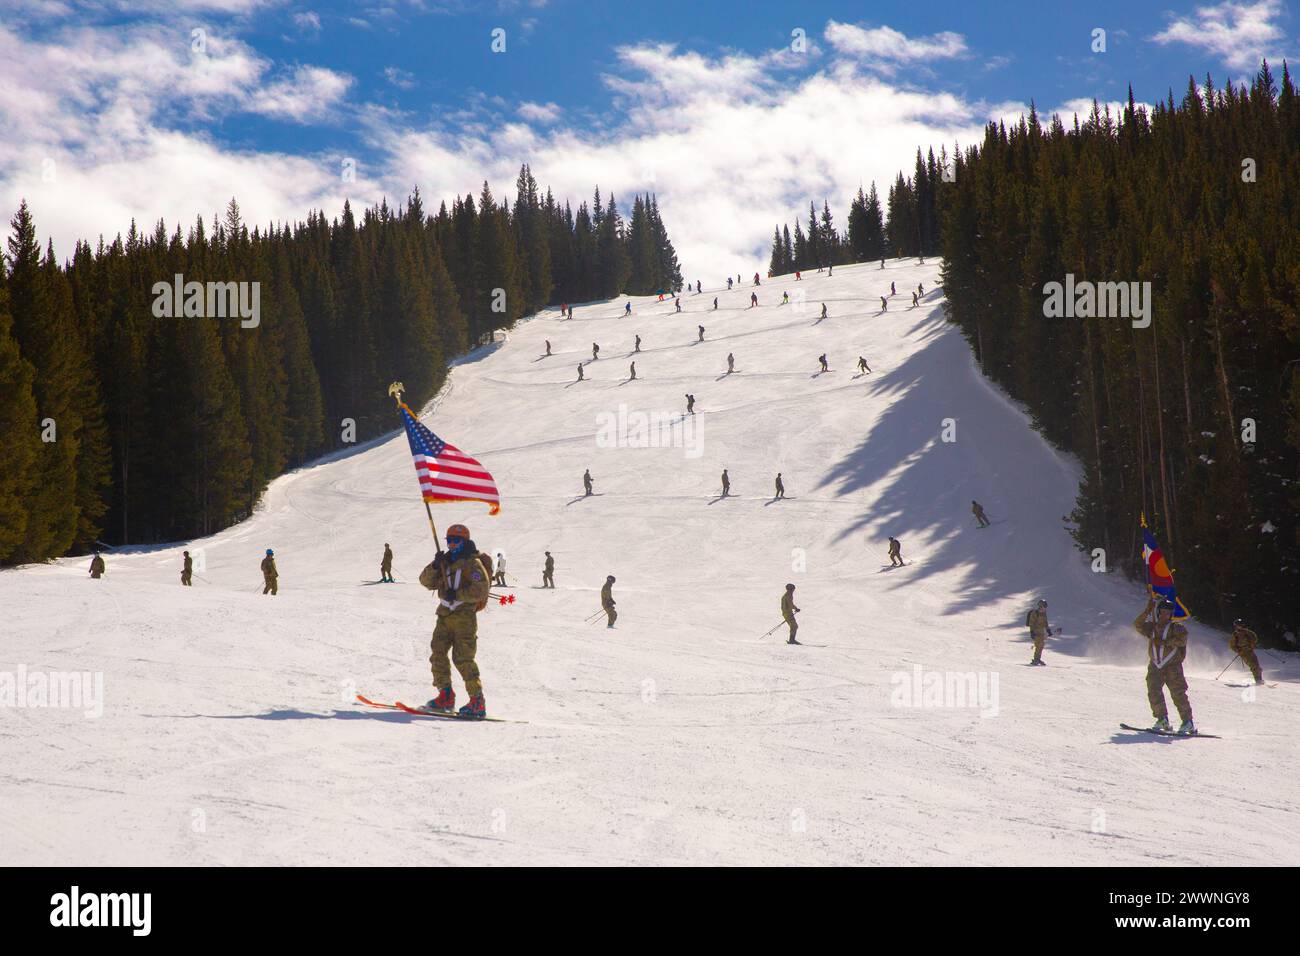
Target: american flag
<point>446,473</point>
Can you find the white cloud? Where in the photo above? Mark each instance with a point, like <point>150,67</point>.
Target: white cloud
<point>887,44</point>
<point>402,79</point>
<point>1240,34</point>
<point>308,22</point>
<point>540,112</point>
<point>310,93</point>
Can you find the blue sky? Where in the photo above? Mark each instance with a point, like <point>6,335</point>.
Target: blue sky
<point>166,108</point>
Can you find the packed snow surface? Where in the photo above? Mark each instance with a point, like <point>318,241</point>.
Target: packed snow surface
<point>229,732</point>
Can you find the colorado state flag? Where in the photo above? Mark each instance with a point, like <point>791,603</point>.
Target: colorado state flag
<point>1160,580</point>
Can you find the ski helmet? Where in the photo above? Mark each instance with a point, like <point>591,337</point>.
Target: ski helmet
<point>789,587</point>
<point>610,578</point>
<point>458,531</point>
<point>269,552</point>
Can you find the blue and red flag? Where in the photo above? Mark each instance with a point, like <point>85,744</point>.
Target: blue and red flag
<point>1160,580</point>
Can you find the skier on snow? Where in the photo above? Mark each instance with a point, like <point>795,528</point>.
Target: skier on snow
<point>270,576</point>
<point>977,510</point>
<point>1166,651</point>
<point>607,601</point>
<point>1036,621</point>
<point>187,570</point>
<point>386,565</point>
<point>788,611</point>
<point>548,572</point>
<point>895,553</point>
<point>1242,642</point>
<point>97,566</point>
<point>460,579</point>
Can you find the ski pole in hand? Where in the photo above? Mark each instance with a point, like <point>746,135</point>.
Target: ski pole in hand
<point>782,621</point>
<point>1230,663</point>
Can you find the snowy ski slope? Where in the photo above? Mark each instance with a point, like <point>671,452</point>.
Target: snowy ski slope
<point>229,734</point>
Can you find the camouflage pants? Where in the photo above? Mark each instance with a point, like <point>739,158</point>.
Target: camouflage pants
<point>794,627</point>
<point>457,635</point>
<point>1250,660</point>
<point>185,578</point>
<point>548,579</point>
<point>611,614</point>
<point>272,585</point>
<point>1038,637</point>
<point>1171,676</point>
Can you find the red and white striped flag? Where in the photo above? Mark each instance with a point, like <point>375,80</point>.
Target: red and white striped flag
<point>446,473</point>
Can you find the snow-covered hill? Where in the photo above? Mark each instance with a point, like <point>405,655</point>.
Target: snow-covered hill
<point>229,734</point>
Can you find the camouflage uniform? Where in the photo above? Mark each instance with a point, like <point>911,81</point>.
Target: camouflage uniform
<point>788,611</point>
<point>1242,642</point>
<point>1038,631</point>
<point>977,510</point>
<point>386,565</point>
<point>187,570</point>
<point>726,483</point>
<point>1165,655</point>
<point>270,576</point>
<point>96,567</point>
<point>461,583</point>
<point>895,553</point>
<point>780,486</point>
<point>586,480</point>
<point>607,602</point>
<point>548,572</point>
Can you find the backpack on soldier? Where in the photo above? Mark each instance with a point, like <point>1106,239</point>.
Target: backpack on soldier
<point>485,560</point>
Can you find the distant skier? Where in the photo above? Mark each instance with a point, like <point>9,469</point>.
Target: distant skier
<point>697,287</point>
<point>690,404</point>
<point>607,601</point>
<point>726,484</point>
<point>731,363</point>
<point>977,510</point>
<point>895,553</point>
<point>892,290</point>
<point>756,282</point>
<point>788,611</point>
<point>460,578</point>
<point>785,298</point>
<point>824,310</point>
<point>580,372</point>
<point>595,351</point>
<point>500,575</point>
<point>884,304</point>
<point>548,346</point>
<point>637,347</point>
<point>632,373</point>
<point>586,481</point>
<point>1036,621</point>
<point>548,572</point>
<point>1242,642</point>
<point>678,303</point>
<point>187,570</point>
<point>822,358</point>
<point>728,283</point>
<point>780,487</point>
<point>915,303</point>
<point>564,308</point>
<point>97,566</point>
<point>1166,651</point>
<point>798,276</point>
<point>386,565</point>
<point>715,303</point>
<point>753,300</point>
<point>862,365</point>
<point>627,309</point>
<point>270,576</point>
<point>701,338</point>
<point>920,288</point>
